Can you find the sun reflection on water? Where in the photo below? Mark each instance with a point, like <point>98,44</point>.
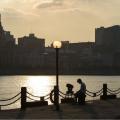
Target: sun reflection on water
<point>39,85</point>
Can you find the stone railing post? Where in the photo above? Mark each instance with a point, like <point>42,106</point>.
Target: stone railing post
<point>23,97</point>
<point>104,96</point>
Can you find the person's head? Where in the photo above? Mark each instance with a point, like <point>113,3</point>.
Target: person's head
<point>79,81</point>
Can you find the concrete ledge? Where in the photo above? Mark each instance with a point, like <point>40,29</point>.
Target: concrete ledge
<point>37,104</point>
<point>95,109</point>
<point>108,97</point>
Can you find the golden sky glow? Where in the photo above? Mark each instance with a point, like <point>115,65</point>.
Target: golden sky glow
<point>73,20</point>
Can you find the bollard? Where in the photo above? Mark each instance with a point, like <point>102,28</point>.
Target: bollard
<point>104,96</point>
<point>42,99</point>
<point>105,90</point>
<point>23,97</point>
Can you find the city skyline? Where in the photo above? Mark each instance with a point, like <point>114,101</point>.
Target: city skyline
<point>31,53</point>
<point>59,19</point>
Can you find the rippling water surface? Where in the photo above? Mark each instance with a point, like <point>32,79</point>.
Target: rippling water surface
<point>42,85</point>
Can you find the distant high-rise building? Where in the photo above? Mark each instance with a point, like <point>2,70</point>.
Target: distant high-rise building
<point>107,41</point>
<point>2,35</point>
<point>109,37</point>
<point>6,39</point>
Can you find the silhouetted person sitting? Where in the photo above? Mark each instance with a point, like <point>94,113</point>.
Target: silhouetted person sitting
<point>70,92</point>
<point>80,95</point>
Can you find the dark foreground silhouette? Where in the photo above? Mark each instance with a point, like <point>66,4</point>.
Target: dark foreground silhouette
<point>92,110</point>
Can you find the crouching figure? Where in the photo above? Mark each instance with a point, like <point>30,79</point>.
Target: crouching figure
<point>70,92</point>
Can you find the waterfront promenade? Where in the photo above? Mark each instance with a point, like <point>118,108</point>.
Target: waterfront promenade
<point>109,109</point>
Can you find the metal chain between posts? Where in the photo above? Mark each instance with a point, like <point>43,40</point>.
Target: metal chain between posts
<point>47,95</point>
<point>89,95</point>
<point>117,93</point>
<point>99,94</point>
<point>37,96</point>
<point>95,94</point>
<point>33,95</point>
<point>61,96</point>
<point>114,91</point>
<point>32,98</point>
<point>10,98</point>
<point>47,98</point>
<point>11,102</point>
<point>62,93</point>
<point>110,92</point>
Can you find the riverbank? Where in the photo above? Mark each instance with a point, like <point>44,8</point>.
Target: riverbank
<point>92,110</point>
<point>36,73</point>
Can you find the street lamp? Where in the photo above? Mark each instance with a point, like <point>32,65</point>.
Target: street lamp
<point>57,45</point>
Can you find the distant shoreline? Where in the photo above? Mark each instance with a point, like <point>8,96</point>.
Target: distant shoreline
<point>37,71</point>
<point>41,74</point>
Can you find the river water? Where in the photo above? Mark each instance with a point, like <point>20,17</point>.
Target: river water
<point>42,85</point>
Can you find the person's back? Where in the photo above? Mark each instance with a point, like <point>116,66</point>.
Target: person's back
<point>81,93</point>
<point>83,88</point>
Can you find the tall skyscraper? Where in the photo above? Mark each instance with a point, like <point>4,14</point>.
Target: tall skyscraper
<point>6,39</point>
<point>2,35</point>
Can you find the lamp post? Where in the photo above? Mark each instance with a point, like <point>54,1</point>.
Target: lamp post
<point>57,45</point>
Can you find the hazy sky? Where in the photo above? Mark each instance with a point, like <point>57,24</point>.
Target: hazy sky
<point>73,20</point>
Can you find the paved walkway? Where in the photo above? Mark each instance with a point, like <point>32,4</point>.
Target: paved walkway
<point>94,109</point>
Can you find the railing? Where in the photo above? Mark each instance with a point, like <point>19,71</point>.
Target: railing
<point>26,95</point>
<point>10,101</point>
<point>88,93</point>
<point>116,92</point>
<point>23,96</point>
<point>32,97</point>
<point>104,93</point>
<point>94,94</point>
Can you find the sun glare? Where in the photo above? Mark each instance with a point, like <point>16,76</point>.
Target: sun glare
<point>39,85</point>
